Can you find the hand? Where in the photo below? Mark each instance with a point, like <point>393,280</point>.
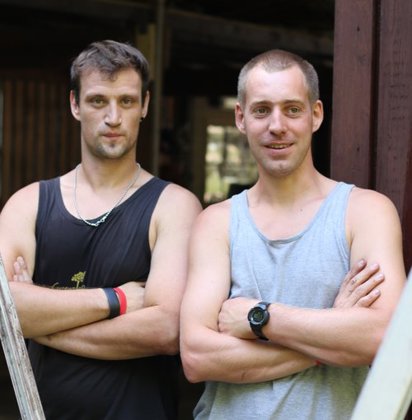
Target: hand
<point>232,318</point>
<point>359,287</point>
<point>134,291</point>
<point>21,273</point>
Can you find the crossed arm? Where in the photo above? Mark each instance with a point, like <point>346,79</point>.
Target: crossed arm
<point>216,340</point>
<point>75,321</point>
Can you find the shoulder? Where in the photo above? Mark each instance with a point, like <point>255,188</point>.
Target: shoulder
<point>17,225</point>
<point>178,197</point>
<point>25,200</point>
<point>176,192</point>
<point>371,209</point>
<point>176,208</point>
<point>214,219</point>
<point>217,210</point>
<point>364,201</point>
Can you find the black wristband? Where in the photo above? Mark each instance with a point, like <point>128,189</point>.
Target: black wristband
<point>114,304</point>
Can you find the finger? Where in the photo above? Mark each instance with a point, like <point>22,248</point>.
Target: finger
<point>26,276</point>
<point>363,275</point>
<point>22,262</point>
<point>366,288</point>
<point>354,270</point>
<point>16,268</point>
<point>367,300</point>
<point>370,284</point>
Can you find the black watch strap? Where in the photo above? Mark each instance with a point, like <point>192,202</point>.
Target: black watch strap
<point>258,317</point>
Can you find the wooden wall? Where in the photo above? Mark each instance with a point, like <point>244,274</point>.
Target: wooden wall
<point>372,101</point>
<point>40,137</point>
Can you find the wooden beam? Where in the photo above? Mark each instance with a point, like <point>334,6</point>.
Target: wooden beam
<point>103,9</point>
<point>394,116</point>
<point>16,355</point>
<point>352,129</point>
<point>194,27</point>
<point>407,219</point>
<point>220,32</point>
<point>394,119</point>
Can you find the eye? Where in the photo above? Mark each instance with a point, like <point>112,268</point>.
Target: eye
<point>97,101</point>
<point>128,101</point>
<point>260,111</point>
<point>294,110</point>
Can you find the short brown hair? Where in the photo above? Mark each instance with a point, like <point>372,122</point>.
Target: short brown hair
<point>276,60</point>
<point>109,57</point>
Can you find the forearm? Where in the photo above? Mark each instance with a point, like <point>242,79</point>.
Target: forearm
<point>142,333</point>
<point>208,355</point>
<point>346,337</point>
<point>44,311</point>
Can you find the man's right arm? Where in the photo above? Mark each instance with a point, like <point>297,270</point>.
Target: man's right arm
<point>41,310</point>
<point>206,353</point>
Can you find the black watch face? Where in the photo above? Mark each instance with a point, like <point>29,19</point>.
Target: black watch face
<point>258,316</point>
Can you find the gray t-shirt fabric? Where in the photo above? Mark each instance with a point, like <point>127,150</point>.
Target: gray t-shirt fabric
<point>305,270</point>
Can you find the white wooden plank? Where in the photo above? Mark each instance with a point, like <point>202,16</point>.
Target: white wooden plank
<point>387,392</point>
<point>16,355</point>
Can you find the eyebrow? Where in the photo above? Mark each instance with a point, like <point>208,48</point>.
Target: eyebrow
<point>92,94</point>
<point>285,102</point>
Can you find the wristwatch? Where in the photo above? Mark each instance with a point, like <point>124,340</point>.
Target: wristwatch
<point>258,317</point>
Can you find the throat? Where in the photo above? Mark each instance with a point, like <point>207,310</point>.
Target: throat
<point>102,219</point>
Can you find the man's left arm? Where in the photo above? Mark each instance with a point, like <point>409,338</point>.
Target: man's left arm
<point>152,329</point>
<point>346,336</point>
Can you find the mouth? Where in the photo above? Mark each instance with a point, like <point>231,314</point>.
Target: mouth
<point>111,135</point>
<point>278,146</point>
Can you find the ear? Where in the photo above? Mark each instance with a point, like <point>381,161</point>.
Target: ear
<point>239,118</point>
<point>74,106</point>
<point>145,107</point>
<point>317,115</point>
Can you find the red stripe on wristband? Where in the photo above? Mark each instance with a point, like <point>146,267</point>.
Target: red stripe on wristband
<point>122,299</point>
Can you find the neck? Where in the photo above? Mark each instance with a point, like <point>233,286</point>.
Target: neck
<point>289,190</point>
<point>107,176</point>
<point>120,199</point>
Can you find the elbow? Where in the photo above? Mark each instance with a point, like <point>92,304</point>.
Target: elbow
<point>376,338</point>
<point>364,354</point>
<point>375,343</point>
<point>191,368</point>
<point>194,366</point>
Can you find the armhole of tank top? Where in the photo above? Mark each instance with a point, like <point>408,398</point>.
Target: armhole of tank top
<point>343,240</point>
<point>47,190</point>
<point>235,211</point>
<point>41,206</point>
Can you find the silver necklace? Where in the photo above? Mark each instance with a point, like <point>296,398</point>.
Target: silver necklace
<point>106,215</point>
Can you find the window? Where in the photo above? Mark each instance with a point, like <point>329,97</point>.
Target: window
<point>230,166</point>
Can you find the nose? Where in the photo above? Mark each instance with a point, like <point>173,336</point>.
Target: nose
<point>113,116</point>
<point>277,122</point>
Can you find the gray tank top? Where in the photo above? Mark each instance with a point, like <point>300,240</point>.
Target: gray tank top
<point>305,270</point>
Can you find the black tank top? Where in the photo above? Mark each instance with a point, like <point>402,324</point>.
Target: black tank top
<point>71,254</point>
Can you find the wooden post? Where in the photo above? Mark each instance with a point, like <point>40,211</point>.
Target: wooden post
<point>387,392</point>
<point>16,355</point>
<point>353,101</point>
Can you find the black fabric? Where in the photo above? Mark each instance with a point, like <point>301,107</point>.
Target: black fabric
<point>71,254</point>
